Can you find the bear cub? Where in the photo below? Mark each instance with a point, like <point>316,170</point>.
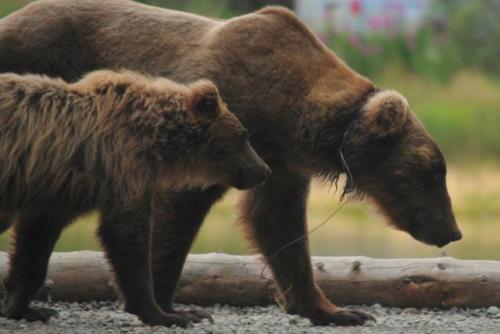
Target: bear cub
<point>107,142</point>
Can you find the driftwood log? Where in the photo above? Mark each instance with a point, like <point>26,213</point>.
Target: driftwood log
<point>243,280</point>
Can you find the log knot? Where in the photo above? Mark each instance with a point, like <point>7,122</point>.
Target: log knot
<point>320,266</point>
<point>356,265</point>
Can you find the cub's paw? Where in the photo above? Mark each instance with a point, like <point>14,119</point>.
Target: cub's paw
<point>340,318</point>
<point>40,314</point>
<point>195,315</point>
<point>31,314</point>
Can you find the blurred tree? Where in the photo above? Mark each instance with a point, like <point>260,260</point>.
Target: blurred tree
<point>476,30</point>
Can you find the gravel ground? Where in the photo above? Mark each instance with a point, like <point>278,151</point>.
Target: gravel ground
<point>106,317</point>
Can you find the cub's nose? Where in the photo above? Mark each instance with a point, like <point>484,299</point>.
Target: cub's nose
<point>247,178</point>
<point>263,174</point>
<point>267,172</point>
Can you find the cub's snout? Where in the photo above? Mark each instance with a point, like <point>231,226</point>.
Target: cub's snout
<point>251,173</point>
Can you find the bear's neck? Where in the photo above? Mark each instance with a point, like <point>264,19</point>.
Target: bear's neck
<point>324,133</point>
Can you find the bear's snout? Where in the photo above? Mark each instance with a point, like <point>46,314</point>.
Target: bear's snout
<point>444,237</point>
<point>455,235</point>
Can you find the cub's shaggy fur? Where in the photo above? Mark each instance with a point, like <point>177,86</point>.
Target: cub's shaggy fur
<point>107,142</point>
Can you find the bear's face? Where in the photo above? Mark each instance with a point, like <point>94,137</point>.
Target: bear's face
<point>405,172</point>
<point>226,155</point>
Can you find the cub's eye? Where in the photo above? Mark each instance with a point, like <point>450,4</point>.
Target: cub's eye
<point>219,152</point>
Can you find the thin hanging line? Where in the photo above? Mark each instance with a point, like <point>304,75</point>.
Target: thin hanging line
<point>302,237</point>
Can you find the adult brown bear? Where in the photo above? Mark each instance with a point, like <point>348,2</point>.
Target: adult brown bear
<point>106,143</point>
<point>305,110</point>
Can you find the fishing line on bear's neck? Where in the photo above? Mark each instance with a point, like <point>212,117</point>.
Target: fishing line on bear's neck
<point>349,185</point>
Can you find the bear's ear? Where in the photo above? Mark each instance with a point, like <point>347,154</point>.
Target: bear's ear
<point>206,100</point>
<point>386,113</point>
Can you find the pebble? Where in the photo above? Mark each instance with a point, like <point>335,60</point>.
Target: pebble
<point>108,317</point>
<point>493,310</point>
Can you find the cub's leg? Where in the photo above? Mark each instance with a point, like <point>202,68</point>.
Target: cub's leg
<point>125,235</point>
<point>274,215</point>
<point>33,242</point>
<point>177,218</point>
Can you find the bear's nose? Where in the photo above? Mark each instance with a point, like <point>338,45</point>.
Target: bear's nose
<point>456,235</point>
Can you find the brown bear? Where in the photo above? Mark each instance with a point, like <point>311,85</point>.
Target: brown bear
<point>107,142</point>
<point>308,115</point>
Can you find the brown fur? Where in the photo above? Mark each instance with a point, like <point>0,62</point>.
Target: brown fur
<point>107,142</point>
<point>301,103</point>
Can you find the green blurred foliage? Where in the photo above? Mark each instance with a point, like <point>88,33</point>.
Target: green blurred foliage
<point>212,8</point>
<point>217,8</point>
<point>476,31</point>
<point>458,34</point>
<point>8,6</point>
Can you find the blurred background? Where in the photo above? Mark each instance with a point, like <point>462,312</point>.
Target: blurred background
<point>444,56</point>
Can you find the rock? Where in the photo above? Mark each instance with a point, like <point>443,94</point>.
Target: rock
<point>493,310</point>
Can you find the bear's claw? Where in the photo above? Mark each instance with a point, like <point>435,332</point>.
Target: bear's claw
<point>342,318</point>
<point>196,315</point>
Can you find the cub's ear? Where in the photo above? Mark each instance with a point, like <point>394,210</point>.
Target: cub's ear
<point>386,113</point>
<point>206,100</point>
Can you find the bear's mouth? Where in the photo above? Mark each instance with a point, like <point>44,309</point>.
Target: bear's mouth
<point>435,238</point>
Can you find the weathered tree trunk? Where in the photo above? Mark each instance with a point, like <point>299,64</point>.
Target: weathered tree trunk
<point>243,280</point>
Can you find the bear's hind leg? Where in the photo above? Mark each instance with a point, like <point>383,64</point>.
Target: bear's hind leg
<point>177,217</point>
<point>274,215</point>
<point>33,241</point>
<point>125,235</point>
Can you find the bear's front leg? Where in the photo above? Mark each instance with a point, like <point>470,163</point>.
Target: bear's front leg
<point>125,235</point>
<point>275,215</point>
<point>33,240</point>
<point>177,217</point>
